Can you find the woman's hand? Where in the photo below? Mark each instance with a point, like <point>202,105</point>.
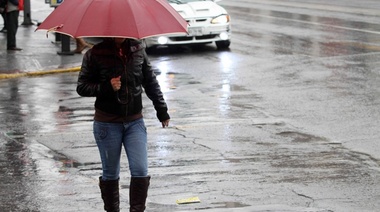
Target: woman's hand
<point>116,83</point>
<point>165,123</point>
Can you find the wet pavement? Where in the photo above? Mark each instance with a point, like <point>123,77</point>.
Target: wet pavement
<point>234,142</point>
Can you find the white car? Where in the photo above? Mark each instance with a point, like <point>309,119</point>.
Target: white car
<point>208,22</point>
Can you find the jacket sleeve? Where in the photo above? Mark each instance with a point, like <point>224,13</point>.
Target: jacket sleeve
<point>89,83</point>
<point>153,90</point>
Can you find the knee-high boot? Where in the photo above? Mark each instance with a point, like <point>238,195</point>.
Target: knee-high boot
<point>110,194</point>
<point>138,192</point>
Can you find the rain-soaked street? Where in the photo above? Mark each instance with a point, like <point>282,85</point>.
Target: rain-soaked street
<point>288,119</point>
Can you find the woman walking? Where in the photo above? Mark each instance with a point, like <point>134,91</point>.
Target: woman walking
<point>115,71</point>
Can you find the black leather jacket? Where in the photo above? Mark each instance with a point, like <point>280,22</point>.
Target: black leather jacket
<point>103,62</point>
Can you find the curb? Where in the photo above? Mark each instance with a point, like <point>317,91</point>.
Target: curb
<point>39,73</point>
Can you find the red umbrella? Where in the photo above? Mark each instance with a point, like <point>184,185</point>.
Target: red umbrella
<point>115,18</point>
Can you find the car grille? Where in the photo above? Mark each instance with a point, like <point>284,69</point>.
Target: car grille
<point>187,38</point>
<point>196,20</point>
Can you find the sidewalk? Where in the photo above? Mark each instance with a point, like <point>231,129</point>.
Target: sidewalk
<point>39,54</point>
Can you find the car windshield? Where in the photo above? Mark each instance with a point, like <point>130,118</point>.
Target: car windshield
<point>184,1</point>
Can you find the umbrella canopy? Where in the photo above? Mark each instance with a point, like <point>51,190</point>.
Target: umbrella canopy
<point>115,18</point>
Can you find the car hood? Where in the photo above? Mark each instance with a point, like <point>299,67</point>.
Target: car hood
<point>199,9</point>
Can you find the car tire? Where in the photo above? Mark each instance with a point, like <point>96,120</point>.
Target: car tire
<point>223,44</point>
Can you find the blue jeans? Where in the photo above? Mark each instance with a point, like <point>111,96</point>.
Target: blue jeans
<point>110,137</point>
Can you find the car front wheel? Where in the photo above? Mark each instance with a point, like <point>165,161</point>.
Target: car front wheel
<point>223,44</point>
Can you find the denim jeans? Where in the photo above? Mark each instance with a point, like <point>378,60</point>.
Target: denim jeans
<point>110,137</point>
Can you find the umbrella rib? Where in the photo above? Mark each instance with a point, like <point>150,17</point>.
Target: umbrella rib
<point>82,19</point>
<point>134,17</point>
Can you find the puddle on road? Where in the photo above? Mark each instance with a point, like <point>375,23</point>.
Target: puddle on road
<point>338,48</point>
<point>196,206</point>
<point>227,205</point>
<point>63,163</point>
<point>301,137</point>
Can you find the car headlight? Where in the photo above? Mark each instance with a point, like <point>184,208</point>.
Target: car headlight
<point>222,19</point>
<point>162,40</point>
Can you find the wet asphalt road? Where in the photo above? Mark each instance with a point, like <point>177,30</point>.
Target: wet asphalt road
<point>286,120</point>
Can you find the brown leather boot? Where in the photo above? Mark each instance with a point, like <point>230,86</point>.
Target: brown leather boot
<point>138,192</point>
<point>110,194</point>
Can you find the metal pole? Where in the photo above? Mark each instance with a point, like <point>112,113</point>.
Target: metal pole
<point>65,45</point>
<point>27,13</point>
